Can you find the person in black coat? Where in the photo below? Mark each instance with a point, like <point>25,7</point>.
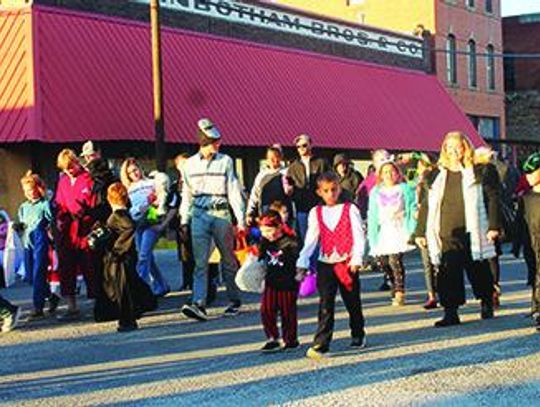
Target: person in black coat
<point>302,175</point>
<point>125,295</point>
<point>349,178</point>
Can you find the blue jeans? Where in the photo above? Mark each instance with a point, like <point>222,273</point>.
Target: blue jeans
<point>206,228</point>
<point>35,265</point>
<point>145,240</point>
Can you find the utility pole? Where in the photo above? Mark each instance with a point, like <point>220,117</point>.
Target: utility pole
<point>157,79</point>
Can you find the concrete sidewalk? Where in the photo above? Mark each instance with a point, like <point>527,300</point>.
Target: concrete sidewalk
<point>173,361</point>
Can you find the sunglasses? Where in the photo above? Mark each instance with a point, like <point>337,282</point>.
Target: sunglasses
<point>302,145</point>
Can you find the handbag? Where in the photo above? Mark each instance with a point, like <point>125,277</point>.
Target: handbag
<point>308,286</point>
<point>250,276</point>
<point>99,237</point>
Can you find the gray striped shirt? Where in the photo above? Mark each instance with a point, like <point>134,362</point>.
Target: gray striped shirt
<point>211,185</point>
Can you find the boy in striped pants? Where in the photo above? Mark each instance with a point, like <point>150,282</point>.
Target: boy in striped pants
<point>279,251</point>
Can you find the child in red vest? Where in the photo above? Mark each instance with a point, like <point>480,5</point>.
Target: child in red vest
<point>279,251</point>
<point>337,229</point>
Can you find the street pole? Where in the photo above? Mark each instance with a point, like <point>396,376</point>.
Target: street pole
<point>157,79</point>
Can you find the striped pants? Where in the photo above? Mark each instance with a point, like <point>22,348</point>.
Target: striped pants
<point>284,302</point>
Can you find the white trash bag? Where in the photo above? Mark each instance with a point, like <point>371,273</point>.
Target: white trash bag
<point>13,257</point>
<point>250,276</point>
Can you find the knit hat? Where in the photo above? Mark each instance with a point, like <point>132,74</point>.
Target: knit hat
<point>208,132</point>
<point>532,163</point>
<point>340,159</point>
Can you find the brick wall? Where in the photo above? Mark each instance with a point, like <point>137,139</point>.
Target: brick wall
<point>453,17</point>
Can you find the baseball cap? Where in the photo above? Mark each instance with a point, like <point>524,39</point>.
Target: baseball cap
<point>88,149</point>
<point>532,163</point>
<point>208,130</point>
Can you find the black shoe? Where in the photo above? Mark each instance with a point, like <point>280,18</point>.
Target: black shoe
<point>54,300</point>
<point>195,311</point>
<point>359,343</point>
<point>233,309</point>
<point>291,346</point>
<point>385,286</point>
<point>271,347</point>
<point>450,318</point>
<point>36,315</point>
<point>486,310</point>
<point>536,319</point>
<point>127,328</point>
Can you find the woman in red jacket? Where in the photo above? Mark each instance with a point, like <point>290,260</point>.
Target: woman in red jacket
<point>74,200</point>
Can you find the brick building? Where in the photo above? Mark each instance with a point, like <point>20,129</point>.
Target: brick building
<point>73,70</point>
<point>460,28</point>
<point>521,35</point>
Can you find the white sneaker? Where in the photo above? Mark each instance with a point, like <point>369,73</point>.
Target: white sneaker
<point>11,321</point>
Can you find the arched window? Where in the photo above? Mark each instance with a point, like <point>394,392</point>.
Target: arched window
<point>471,58</point>
<point>490,67</point>
<point>451,63</point>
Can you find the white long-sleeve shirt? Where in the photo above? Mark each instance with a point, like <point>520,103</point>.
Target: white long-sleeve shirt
<point>331,216</point>
<point>208,183</point>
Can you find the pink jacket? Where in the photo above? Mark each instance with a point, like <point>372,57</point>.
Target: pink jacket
<point>73,203</point>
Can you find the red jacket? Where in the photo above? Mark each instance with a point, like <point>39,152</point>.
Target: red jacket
<point>73,202</point>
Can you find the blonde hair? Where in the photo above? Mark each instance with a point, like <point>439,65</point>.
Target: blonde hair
<point>35,182</point>
<point>468,154</point>
<point>65,158</point>
<point>117,194</point>
<point>124,176</point>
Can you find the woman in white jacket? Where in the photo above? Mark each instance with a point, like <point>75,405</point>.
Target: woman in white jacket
<point>459,222</point>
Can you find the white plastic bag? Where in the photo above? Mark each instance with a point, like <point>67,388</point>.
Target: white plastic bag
<point>13,257</point>
<point>250,276</point>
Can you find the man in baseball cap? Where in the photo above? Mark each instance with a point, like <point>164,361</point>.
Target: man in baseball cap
<point>210,190</point>
<point>90,152</point>
<point>531,204</point>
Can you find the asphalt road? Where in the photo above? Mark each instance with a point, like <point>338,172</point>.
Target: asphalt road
<point>173,361</point>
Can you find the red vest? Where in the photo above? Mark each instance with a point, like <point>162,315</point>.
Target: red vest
<point>340,239</point>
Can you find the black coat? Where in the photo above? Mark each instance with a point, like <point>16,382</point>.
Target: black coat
<point>485,175</point>
<point>123,295</point>
<point>304,196</point>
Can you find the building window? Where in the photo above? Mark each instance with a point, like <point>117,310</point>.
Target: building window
<point>471,56</point>
<point>489,6</point>
<point>470,3</point>
<point>490,67</point>
<point>489,127</point>
<point>451,63</point>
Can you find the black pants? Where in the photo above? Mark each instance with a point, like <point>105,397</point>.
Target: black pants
<point>456,257</point>
<point>394,271</point>
<point>327,284</point>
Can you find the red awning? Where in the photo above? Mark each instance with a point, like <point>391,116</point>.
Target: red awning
<point>93,81</point>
